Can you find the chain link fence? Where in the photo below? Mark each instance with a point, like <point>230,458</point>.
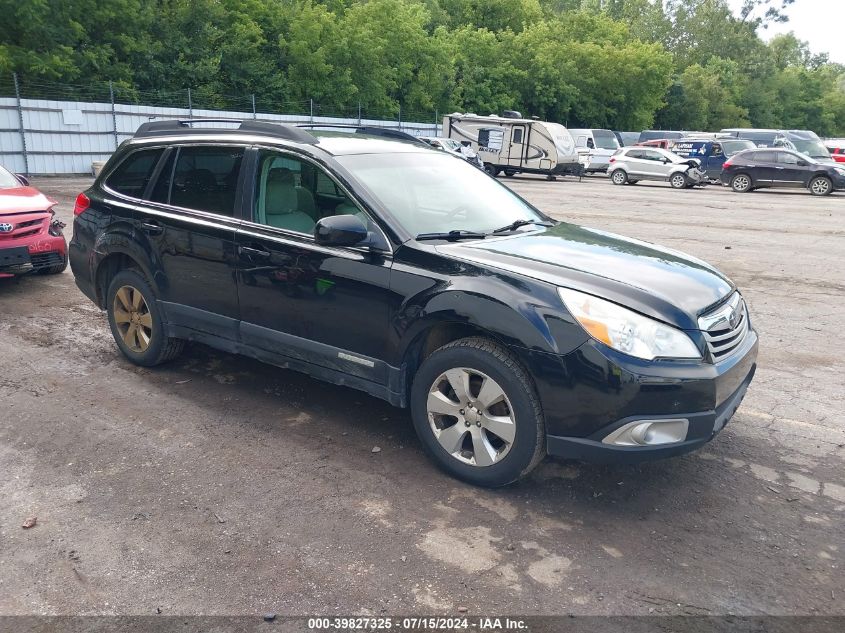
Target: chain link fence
<point>53,128</point>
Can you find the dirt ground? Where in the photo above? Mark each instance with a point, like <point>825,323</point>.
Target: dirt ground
<point>220,485</point>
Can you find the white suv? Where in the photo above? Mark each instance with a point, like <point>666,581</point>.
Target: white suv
<point>632,164</point>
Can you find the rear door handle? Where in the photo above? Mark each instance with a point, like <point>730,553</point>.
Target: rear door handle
<point>253,253</point>
<point>153,228</point>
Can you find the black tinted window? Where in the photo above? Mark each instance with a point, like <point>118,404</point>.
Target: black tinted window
<point>133,174</point>
<point>635,153</point>
<point>206,178</point>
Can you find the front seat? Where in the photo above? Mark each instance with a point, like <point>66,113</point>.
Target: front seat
<point>282,203</point>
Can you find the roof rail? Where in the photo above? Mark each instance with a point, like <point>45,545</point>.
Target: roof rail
<point>371,130</point>
<point>185,126</point>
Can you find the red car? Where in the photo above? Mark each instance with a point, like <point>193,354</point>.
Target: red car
<point>31,238</point>
<point>837,149</point>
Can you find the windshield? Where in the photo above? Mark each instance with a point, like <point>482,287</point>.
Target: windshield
<point>605,139</point>
<point>451,143</point>
<point>813,149</point>
<point>7,180</point>
<point>732,147</point>
<point>437,193</point>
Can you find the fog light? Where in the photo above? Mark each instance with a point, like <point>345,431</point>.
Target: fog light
<point>649,433</point>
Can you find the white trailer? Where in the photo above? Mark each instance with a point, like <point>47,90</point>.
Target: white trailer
<point>513,145</point>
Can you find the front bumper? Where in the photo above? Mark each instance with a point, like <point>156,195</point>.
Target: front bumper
<point>21,258</point>
<point>703,427</point>
<point>593,391</point>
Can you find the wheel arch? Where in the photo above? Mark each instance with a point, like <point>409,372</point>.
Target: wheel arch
<point>117,251</point>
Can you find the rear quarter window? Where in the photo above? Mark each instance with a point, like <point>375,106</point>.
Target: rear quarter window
<point>133,175</point>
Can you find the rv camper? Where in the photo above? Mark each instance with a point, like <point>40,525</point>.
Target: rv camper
<point>511,144</point>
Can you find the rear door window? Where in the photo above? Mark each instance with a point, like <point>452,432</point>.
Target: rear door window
<point>206,179</point>
<point>133,175</point>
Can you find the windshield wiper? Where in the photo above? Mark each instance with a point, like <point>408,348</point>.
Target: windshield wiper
<point>452,236</point>
<point>518,223</point>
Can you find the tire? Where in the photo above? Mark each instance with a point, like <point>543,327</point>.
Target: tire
<point>491,169</point>
<point>821,186</point>
<point>618,177</point>
<point>480,456</point>
<point>54,270</point>
<point>149,345</point>
<point>509,172</point>
<point>678,181</point>
<point>741,183</point>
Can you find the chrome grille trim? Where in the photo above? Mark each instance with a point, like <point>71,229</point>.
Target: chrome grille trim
<point>725,328</point>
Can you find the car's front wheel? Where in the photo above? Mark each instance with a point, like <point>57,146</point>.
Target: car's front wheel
<point>136,321</point>
<point>741,183</point>
<point>678,181</point>
<point>821,186</point>
<point>476,413</point>
<point>619,177</point>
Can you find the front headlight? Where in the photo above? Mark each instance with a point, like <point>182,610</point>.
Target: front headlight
<point>625,330</point>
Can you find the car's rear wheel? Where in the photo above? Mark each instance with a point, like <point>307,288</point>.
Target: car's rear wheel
<point>821,186</point>
<point>509,172</point>
<point>136,323</point>
<point>741,183</point>
<point>619,177</point>
<point>476,412</point>
<point>678,181</point>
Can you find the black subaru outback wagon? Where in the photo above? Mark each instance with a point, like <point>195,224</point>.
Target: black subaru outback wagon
<point>409,274</point>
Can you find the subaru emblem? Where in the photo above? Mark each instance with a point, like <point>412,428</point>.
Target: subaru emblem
<point>5,227</point>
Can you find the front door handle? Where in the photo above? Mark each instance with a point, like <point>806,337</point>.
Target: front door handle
<point>253,253</point>
<point>153,228</point>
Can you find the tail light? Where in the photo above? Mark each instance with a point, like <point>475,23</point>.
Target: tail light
<point>728,163</point>
<point>81,205</point>
<point>612,159</point>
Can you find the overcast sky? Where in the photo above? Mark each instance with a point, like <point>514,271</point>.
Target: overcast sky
<point>819,22</point>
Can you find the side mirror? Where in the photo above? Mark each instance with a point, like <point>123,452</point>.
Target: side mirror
<point>802,163</point>
<point>340,230</point>
<point>22,179</point>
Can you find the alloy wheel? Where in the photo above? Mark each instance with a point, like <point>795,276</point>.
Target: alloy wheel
<point>132,318</point>
<point>820,186</point>
<point>678,181</point>
<point>618,178</point>
<point>741,183</point>
<point>471,416</point>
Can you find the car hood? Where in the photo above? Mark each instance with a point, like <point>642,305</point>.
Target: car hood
<point>664,284</point>
<point>23,200</point>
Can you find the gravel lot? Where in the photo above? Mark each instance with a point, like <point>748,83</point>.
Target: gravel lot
<point>219,485</point>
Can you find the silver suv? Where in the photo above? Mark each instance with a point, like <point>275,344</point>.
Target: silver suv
<point>632,164</point>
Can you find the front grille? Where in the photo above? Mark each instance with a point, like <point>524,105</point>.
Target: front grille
<point>23,229</point>
<point>725,327</point>
<point>45,260</point>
